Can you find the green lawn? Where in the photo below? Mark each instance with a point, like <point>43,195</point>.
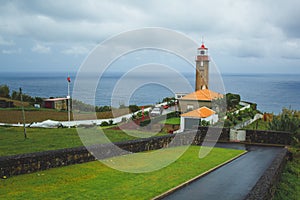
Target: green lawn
<point>39,139</point>
<point>171,121</point>
<point>94,180</point>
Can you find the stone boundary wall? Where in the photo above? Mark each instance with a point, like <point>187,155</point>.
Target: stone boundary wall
<point>268,137</point>
<point>32,162</point>
<point>265,187</point>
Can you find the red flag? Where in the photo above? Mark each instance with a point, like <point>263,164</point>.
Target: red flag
<point>69,79</point>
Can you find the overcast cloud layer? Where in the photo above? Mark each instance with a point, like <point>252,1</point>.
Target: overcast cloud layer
<point>243,36</point>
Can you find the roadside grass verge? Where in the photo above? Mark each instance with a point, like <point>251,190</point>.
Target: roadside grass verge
<point>94,180</point>
<point>41,139</point>
<point>289,184</point>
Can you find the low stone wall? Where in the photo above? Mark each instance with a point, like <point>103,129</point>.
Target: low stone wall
<point>268,137</point>
<point>32,162</point>
<point>265,187</point>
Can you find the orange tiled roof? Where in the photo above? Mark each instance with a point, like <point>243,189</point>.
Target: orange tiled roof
<point>202,112</point>
<point>204,95</point>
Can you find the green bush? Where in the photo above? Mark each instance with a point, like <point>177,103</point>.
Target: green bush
<point>287,120</point>
<point>145,122</point>
<point>103,108</point>
<point>4,91</point>
<point>104,123</point>
<point>232,100</point>
<point>134,108</point>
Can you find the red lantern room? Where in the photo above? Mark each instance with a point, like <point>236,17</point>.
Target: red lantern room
<point>202,53</point>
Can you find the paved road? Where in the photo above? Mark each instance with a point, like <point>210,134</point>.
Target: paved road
<point>232,181</point>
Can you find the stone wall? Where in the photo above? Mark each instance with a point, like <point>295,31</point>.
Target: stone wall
<point>32,162</point>
<point>265,187</point>
<point>268,137</point>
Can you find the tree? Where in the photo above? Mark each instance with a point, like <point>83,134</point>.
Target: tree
<point>287,120</point>
<point>38,100</point>
<point>103,108</point>
<point>168,99</point>
<point>204,123</point>
<point>134,108</point>
<point>4,91</point>
<point>15,95</point>
<point>232,100</point>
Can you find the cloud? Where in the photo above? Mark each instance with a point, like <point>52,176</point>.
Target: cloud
<point>4,42</point>
<point>232,29</point>
<point>12,51</point>
<point>76,50</point>
<point>38,48</point>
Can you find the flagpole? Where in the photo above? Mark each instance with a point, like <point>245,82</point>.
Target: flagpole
<point>23,114</point>
<point>69,98</point>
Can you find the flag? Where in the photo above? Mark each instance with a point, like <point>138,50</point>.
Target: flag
<point>69,79</point>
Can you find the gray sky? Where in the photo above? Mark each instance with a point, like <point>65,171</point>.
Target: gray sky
<point>243,36</point>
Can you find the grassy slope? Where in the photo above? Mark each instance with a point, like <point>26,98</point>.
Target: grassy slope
<point>261,125</point>
<point>94,180</point>
<point>289,185</point>
<point>39,139</point>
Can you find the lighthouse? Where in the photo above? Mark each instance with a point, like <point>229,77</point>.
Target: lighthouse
<point>202,66</point>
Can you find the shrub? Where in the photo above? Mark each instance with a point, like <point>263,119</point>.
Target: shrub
<point>104,123</point>
<point>134,108</point>
<point>4,91</point>
<point>145,123</point>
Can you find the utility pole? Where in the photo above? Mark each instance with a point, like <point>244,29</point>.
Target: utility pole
<point>23,114</point>
<point>69,99</point>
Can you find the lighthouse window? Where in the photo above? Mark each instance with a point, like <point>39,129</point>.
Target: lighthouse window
<point>202,52</point>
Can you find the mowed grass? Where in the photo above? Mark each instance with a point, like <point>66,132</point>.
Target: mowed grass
<point>172,121</point>
<point>40,139</point>
<point>94,180</point>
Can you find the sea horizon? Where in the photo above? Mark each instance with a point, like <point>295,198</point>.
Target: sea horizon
<point>271,92</point>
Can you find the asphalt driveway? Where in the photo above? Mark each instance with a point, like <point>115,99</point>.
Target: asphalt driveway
<point>232,181</point>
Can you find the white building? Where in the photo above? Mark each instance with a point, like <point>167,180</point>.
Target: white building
<point>191,120</point>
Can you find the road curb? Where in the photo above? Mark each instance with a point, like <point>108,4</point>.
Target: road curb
<point>161,196</point>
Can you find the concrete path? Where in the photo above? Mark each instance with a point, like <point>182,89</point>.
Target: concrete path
<point>232,181</point>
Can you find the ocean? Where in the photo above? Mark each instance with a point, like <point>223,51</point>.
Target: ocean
<point>271,92</point>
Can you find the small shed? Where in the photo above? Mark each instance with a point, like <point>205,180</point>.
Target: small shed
<point>56,103</point>
<point>192,119</point>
